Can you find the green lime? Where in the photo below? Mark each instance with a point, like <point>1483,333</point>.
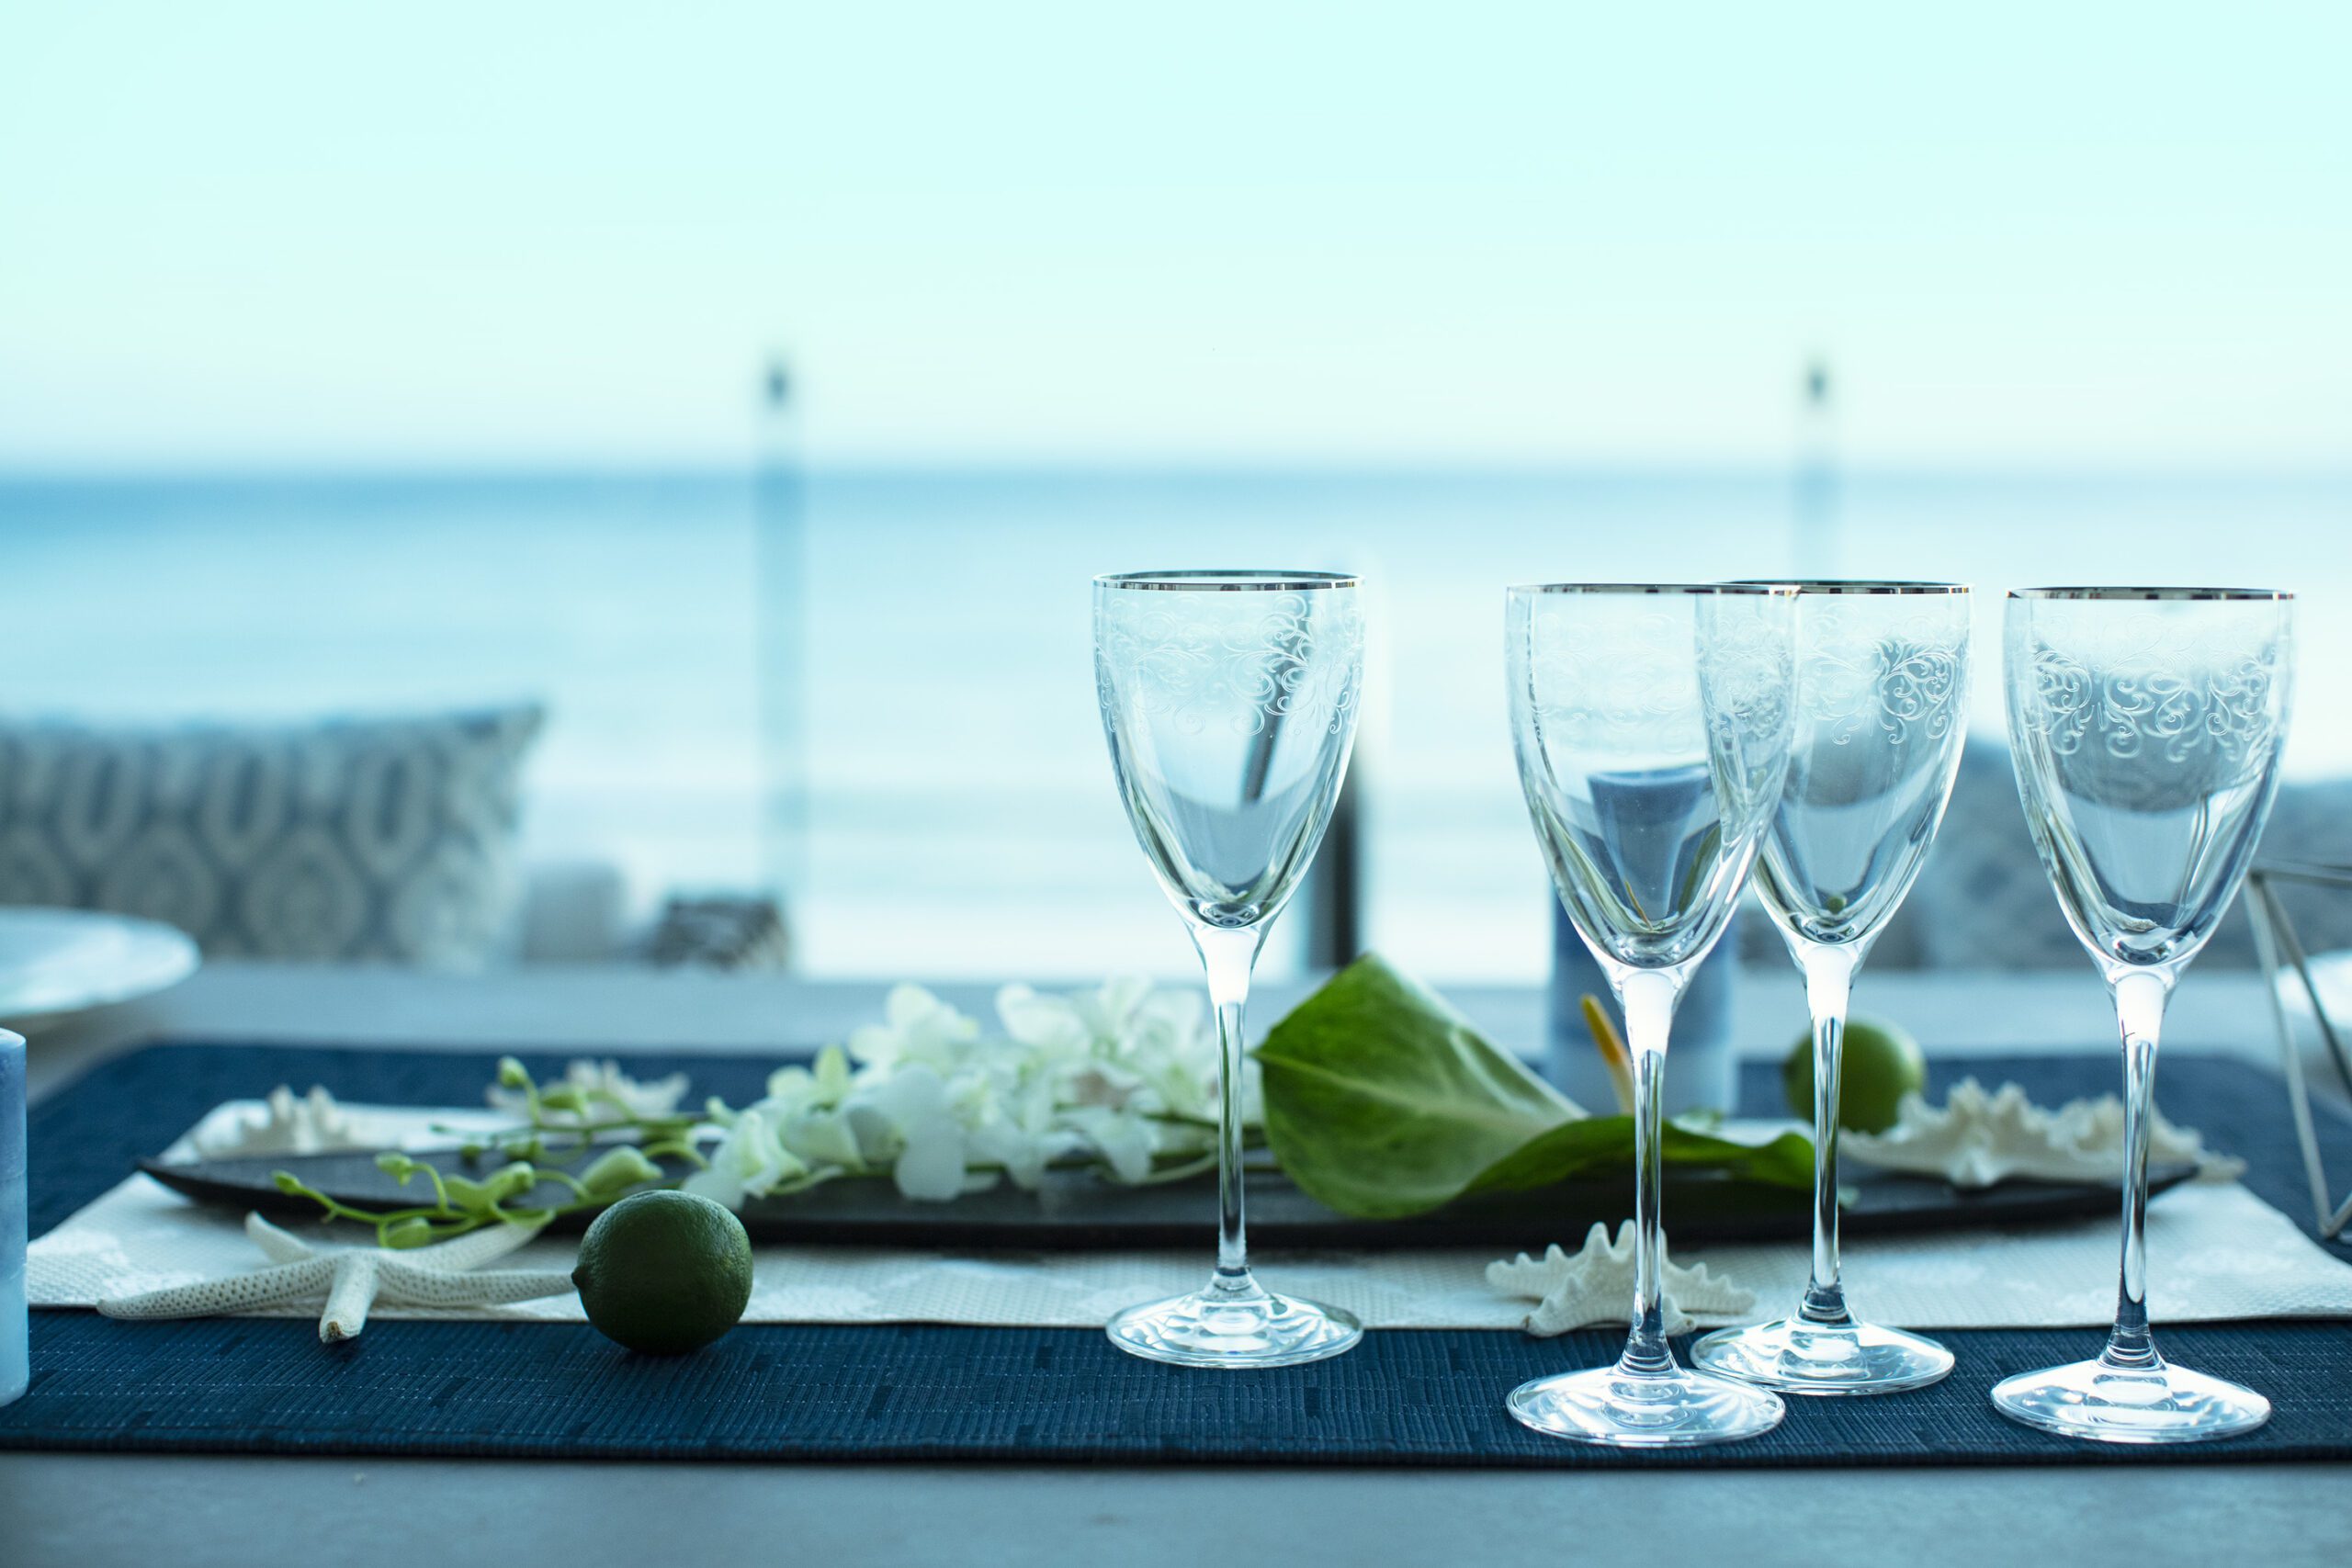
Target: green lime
<point>664,1272</point>
<point>1882,1065</point>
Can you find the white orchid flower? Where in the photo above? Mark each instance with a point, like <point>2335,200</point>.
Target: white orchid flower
<point>1018,1132</point>
<point>1176,1024</point>
<point>646,1098</point>
<point>1117,1072</point>
<point>1101,1084</point>
<point>1126,1143</point>
<point>917,1027</point>
<point>1114,1007</point>
<point>914,1105</point>
<point>824,1137</point>
<point>1023,1153</point>
<point>750,1161</point>
<point>1053,1026</point>
<point>794,1090</point>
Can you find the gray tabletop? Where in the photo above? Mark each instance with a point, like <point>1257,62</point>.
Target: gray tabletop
<point>92,1511</point>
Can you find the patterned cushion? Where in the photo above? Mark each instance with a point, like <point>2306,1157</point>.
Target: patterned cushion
<point>385,839</point>
<point>1982,902</point>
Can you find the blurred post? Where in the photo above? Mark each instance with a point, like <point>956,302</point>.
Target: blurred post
<point>1816,546</point>
<point>781,554</point>
<point>1333,934</point>
<point>1335,881</point>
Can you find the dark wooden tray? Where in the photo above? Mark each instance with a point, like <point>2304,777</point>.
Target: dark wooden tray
<point>1077,1211</point>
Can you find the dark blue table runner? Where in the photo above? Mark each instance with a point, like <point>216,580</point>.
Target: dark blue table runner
<point>922,1391</point>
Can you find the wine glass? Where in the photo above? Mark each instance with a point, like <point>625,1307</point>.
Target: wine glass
<point>1652,727</point>
<point>1882,693</point>
<point>2146,725</point>
<point>1229,701</point>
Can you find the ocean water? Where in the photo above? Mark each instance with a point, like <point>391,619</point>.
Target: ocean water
<point>962,816</point>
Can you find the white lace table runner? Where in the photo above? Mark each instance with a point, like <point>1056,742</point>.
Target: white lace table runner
<point>2217,1253</point>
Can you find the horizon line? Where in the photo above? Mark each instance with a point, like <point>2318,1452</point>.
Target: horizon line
<point>1303,466</point>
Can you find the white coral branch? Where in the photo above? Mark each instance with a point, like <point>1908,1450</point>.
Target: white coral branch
<point>1980,1138</point>
<point>1597,1286</point>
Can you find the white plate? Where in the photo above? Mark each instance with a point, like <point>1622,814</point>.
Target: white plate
<point>59,961</point>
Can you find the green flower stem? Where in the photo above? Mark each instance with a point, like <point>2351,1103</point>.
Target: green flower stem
<point>1199,1166</point>
<point>528,1141</point>
<point>564,1178</point>
<point>447,1221</point>
<point>440,1192</point>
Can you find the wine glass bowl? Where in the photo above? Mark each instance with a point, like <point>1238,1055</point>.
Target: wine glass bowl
<point>1634,714</point>
<point>1883,697</point>
<point>1881,702</point>
<point>1651,728</point>
<point>1229,700</point>
<point>2146,726</point>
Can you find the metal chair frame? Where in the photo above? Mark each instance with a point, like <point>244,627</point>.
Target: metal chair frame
<point>2282,953</point>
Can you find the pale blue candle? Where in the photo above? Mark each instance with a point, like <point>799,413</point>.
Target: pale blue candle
<point>15,1351</point>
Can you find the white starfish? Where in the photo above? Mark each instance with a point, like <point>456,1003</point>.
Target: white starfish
<point>1980,1138</point>
<point>351,1277</point>
<point>1597,1286</point>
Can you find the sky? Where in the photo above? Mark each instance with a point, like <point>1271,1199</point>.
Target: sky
<point>284,234</point>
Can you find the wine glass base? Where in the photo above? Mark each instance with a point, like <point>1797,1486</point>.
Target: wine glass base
<point>1645,1410</point>
<point>1206,1329</point>
<point>1796,1357</point>
<point>2104,1403</point>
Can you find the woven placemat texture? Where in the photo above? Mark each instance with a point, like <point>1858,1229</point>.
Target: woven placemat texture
<point>929,1393</point>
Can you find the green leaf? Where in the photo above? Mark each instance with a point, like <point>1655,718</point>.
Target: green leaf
<point>1382,1102</point>
<point>1603,1143</point>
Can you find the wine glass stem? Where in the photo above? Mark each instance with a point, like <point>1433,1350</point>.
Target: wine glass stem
<point>1828,982</point>
<point>2138,1011</point>
<point>1648,998</point>
<point>2139,997</point>
<point>1226,958</point>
